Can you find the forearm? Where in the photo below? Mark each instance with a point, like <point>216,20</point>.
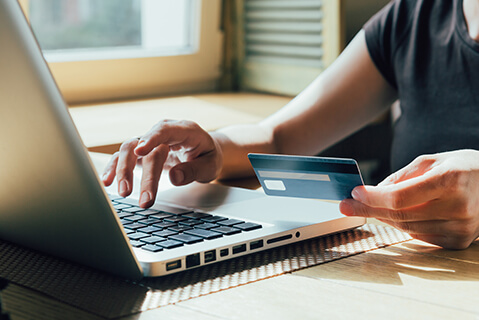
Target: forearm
<point>345,97</point>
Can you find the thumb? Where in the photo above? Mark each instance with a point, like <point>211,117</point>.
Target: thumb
<point>201,169</point>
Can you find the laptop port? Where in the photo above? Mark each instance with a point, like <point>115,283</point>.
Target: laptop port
<point>224,252</point>
<point>173,265</point>
<point>193,260</point>
<point>210,256</point>
<point>239,248</point>
<point>278,239</point>
<point>256,244</point>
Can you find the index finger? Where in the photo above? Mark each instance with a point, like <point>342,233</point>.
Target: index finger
<point>171,133</point>
<point>405,194</point>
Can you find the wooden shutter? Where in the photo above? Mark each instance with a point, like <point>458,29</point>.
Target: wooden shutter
<point>287,43</point>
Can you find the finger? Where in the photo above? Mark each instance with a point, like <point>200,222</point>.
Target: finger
<point>176,134</point>
<point>445,241</point>
<point>405,194</point>
<point>431,227</point>
<point>433,210</point>
<point>418,167</point>
<point>152,168</point>
<point>110,170</point>
<point>441,233</point>
<point>202,169</point>
<point>126,165</point>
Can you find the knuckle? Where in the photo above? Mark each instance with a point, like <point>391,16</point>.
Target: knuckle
<point>128,145</point>
<point>454,181</point>
<point>149,181</point>
<point>396,200</point>
<point>123,173</point>
<point>405,226</point>
<point>423,159</point>
<point>397,215</point>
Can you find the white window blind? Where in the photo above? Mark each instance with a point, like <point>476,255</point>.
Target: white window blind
<point>288,43</point>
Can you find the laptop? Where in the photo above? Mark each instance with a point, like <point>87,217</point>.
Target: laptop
<point>52,200</point>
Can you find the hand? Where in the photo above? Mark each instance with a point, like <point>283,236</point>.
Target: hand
<point>182,147</point>
<point>434,199</point>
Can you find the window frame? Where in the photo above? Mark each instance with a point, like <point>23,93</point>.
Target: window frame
<point>114,79</point>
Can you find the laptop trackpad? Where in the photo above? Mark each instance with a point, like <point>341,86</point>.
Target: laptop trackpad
<point>206,196</point>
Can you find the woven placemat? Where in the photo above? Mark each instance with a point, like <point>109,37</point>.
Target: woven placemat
<point>111,297</point>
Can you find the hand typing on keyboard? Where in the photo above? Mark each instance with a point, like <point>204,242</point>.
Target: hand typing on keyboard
<point>182,147</point>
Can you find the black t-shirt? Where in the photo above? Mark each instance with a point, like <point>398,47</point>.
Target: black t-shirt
<point>423,49</point>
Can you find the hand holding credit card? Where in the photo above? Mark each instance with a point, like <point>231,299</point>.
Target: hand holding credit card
<point>306,177</point>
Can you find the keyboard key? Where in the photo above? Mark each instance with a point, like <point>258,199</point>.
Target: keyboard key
<point>148,212</point>
<point>147,221</point>
<point>165,233</point>
<point>170,244</point>
<point>149,229</point>
<point>226,230</point>
<point>190,222</point>
<point>138,235</point>
<point>207,225</point>
<point>121,206</point>
<point>179,228</point>
<point>125,222</point>
<point>164,224</point>
<point>135,217</point>
<point>176,211</point>
<point>133,209</point>
<point>175,219</point>
<point>152,248</point>
<point>152,239</point>
<point>122,215</point>
<point>248,226</point>
<point>213,219</point>
<point>186,238</point>
<point>136,243</point>
<point>207,234</point>
<point>197,215</point>
<point>133,226</point>
<point>229,222</point>
<point>160,216</point>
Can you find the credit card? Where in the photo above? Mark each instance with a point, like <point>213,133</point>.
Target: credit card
<point>306,177</point>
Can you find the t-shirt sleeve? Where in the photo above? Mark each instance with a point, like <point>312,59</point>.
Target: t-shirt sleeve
<point>384,33</point>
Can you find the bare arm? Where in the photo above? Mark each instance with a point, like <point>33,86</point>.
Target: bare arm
<point>345,97</point>
<point>348,95</point>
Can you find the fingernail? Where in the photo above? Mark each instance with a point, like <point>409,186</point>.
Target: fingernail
<point>105,175</point>
<point>141,143</point>
<point>178,176</point>
<point>145,197</point>
<point>346,208</point>
<point>123,187</point>
<point>357,194</point>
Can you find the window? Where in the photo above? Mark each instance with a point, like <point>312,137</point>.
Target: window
<point>110,49</point>
<point>91,29</point>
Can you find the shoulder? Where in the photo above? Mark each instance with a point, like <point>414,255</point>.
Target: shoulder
<point>393,21</point>
<point>391,27</point>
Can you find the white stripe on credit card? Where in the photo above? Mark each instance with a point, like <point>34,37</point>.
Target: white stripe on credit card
<point>293,175</point>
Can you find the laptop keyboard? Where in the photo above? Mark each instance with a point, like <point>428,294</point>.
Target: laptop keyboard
<point>157,230</point>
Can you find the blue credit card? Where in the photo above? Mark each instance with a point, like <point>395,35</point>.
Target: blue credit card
<point>306,177</point>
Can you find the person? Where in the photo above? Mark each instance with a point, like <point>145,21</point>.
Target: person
<point>424,53</point>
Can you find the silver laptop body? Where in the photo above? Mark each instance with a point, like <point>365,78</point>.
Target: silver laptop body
<point>52,200</point>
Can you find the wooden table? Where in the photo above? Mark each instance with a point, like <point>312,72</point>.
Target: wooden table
<point>412,280</point>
